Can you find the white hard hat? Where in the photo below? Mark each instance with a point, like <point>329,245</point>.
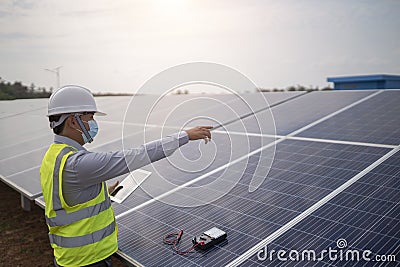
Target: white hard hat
<point>72,99</point>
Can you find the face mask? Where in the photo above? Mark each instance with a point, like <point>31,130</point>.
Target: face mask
<point>93,130</point>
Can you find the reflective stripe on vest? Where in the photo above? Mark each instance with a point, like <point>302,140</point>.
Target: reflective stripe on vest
<point>56,196</point>
<point>64,218</point>
<point>79,241</point>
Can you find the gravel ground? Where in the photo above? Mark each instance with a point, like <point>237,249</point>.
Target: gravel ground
<point>23,235</point>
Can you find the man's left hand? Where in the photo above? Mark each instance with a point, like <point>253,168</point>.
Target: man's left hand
<point>112,187</point>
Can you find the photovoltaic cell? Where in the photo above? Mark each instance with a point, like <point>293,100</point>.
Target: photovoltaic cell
<point>302,173</point>
<point>376,120</point>
<point>366,215</point>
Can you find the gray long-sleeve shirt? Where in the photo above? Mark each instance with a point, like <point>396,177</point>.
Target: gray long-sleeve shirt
<point>84,170</point>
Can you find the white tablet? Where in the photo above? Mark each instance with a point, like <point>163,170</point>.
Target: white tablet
<point>128,185</point>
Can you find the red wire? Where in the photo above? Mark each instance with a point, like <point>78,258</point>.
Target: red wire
<point>186,251</point>
<point>167,240</point>
<point>174,242</point>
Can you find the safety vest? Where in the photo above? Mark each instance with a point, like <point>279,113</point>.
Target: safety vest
<point>81,234</point>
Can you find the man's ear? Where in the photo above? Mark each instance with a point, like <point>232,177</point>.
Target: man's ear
<point>71,122</point>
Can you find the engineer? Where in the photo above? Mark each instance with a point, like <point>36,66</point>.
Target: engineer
<point>81,221</point>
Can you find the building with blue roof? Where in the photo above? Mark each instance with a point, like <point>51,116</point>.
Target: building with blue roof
<point>362,82</point>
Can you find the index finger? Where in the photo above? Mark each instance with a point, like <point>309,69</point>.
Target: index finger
<point>207,127</point>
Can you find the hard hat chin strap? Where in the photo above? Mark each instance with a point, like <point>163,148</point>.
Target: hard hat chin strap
<point>84,131</point>
<point>62,118</point>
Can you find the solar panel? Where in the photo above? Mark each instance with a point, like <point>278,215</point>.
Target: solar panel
<point>17,129</point>
<point>26,182</point>
<point>364,217</point>
<point>298,112</point>
<point>22,107</point>
<point>21,146</point>
<point>302,173</point>
<point>376,120</point>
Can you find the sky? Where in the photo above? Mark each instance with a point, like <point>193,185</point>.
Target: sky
<point>115,46</point>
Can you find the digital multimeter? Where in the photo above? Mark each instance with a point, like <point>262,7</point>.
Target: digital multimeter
<point>209,238</point>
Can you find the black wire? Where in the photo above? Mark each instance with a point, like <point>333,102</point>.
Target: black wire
<point>171,239</point>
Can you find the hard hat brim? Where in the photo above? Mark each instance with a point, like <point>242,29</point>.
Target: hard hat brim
<point>99,113</point>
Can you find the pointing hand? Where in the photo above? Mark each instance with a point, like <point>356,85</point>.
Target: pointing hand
<point>200,132</point>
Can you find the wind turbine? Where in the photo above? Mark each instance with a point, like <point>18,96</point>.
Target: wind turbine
<point>57,72</point>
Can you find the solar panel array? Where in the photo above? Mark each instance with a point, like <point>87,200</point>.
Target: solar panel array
<point>333,182</point>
